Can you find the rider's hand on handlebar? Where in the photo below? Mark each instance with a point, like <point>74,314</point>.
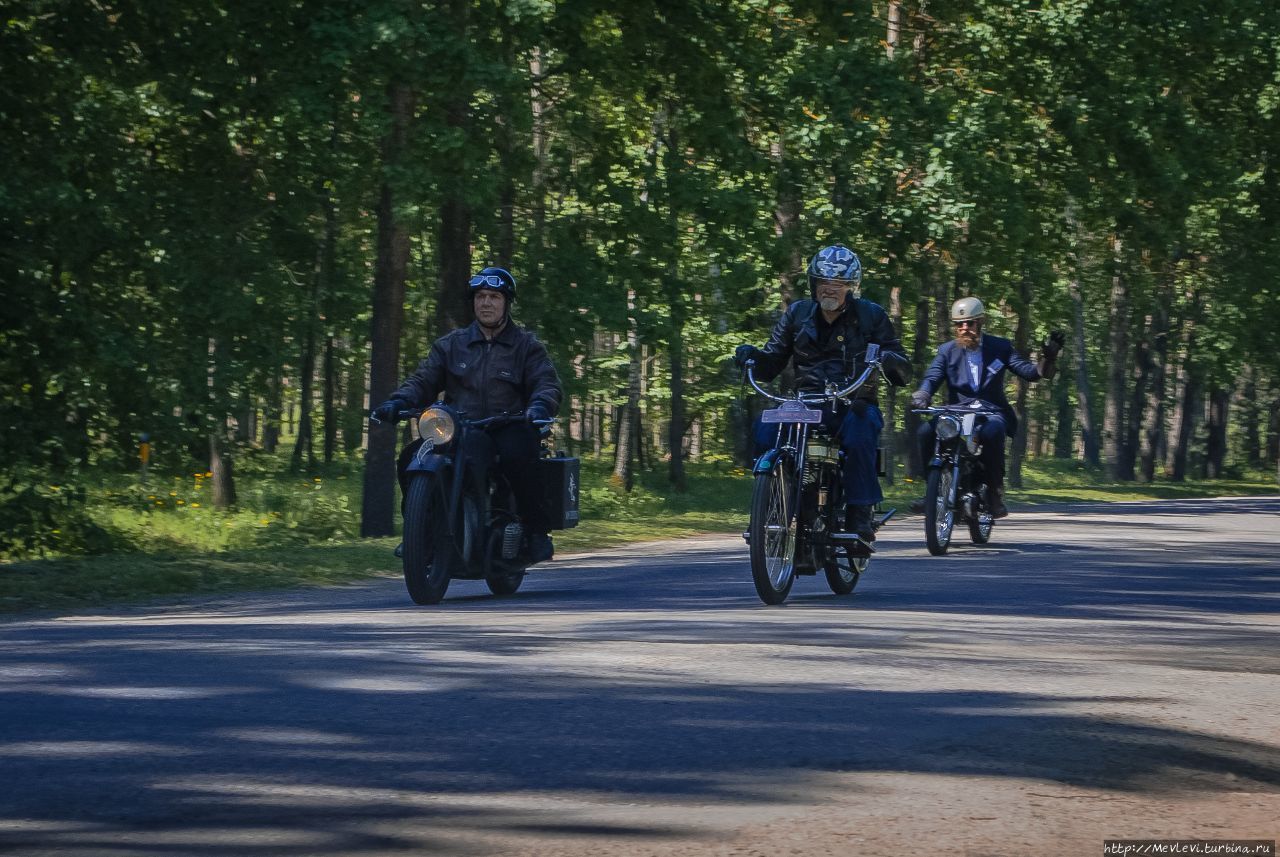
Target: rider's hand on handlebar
<point>1053,344</point>
<point>743,353</point>
<point>387,412</point>
<point>537,413</point>
<point>920,399</point>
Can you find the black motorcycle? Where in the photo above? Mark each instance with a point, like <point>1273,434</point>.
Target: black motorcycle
<point>797,504</point>
<point>455,528</point>
<point>957,491</point>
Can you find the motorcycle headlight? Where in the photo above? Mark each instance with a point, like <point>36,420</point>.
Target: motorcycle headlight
<point>437,426</point>
<point>948,428</point>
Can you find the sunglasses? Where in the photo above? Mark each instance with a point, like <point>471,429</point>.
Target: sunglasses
<point>972,323</point>
<point>491,280</point>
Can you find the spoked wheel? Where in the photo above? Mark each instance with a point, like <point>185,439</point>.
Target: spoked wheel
<point>772,536</point>
<point>428,550</point>
<point>844,572</point>
<point>980,526</point>
<point>939,514</point>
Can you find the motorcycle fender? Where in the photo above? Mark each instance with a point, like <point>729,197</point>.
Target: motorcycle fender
<point>427,462</point>
<point>765,462</point>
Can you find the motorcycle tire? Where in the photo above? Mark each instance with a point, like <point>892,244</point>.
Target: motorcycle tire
<point>842,579</point>
<point>939,514</point>
<point>772,536</point>
<point>506,584</point>
<point>980,527</point>
<point>428,549</point>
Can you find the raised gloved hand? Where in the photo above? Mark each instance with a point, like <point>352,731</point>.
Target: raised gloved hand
<point>920,399</point>
<point>537,412</point>
<point>388,411</point>
<point>1053,344</point>
<point>743,353</point>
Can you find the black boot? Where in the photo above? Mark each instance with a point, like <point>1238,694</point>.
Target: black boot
<point>998,509</point>
<point>857,519</point>
<point>540,548</point>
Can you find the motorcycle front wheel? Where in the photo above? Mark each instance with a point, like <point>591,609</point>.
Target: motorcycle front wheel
<point>939,515</point>
<point>428,548</point>
<point>772,536</point>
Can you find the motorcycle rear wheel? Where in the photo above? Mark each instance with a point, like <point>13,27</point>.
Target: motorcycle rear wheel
<point>428,549</point>
<point>939,515</point>
<point>980,527</point>
<point>843,578</point>
<point>772,536</point>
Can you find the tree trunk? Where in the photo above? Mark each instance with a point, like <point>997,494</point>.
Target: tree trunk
<point>353,418</point>
<point>921,354</point>
<point>786,223</point>
<point>678,425</point>
<point>1158,358</point>
<point>330,407</point>
<point>1084,410</point>
<point>1021,339</point>
<point>1113,431</point>
<point>272,410</point>
<point>390,272</point>
<point>223,479</point>
<point>889,439</point>
<point>1251,415</point>
<point>302,445</point>
<point>1183,417</point>
<point>1125,468</point>
<point>1216,444</point>
<point>629,414</point>
<point>1063,434</point>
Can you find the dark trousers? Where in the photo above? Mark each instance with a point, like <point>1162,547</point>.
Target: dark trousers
<point>858,432</point>
<point>512,448</point>
<point>991,434</point>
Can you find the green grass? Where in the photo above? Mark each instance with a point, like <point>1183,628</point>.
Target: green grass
<point>291,530</point>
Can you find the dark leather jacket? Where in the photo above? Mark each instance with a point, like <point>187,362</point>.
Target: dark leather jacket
<point>797,336</point>
<point>483,378</point>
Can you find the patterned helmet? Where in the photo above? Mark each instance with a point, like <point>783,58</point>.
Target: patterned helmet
<point>498,279</point>
<point>836,262</point>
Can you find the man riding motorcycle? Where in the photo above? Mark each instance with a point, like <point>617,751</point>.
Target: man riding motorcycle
<point>488,368</point>
<point>973,367</point>
<point>827,336</point>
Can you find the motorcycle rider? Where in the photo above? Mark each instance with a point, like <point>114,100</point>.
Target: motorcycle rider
<point>826,337</point>
<point>492,366</point>
<point>973,366</point>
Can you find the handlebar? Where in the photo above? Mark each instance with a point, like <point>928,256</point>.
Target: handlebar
<point>487,422</point>
<point>831,393</point>
<point>957,410</point>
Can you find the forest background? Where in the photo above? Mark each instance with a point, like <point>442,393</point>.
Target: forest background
<point>227,222</point>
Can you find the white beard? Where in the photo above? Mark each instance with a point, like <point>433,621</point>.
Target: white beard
<point>831,304</point>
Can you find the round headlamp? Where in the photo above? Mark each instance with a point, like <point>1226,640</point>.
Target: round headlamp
<point>948,428</point>
<point>437,426</point>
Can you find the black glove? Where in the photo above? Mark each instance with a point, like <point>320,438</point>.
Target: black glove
<point>920,399</point>
<point>743,353</point>
<point>537,412</point>
<point>388,411</point>
<point>858,407</point>
<point>1053,344</point>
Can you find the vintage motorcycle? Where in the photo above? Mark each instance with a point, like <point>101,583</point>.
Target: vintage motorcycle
<point>797,503</point>
<point>956,490</point>
<point>455,528</point>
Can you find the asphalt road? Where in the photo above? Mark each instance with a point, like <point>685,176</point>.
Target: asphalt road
<point>1099,672</point>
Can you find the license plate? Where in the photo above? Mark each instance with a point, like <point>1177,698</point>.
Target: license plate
<point>791,412</point>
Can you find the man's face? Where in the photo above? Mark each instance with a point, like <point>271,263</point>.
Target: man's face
<point>831,293</point>
<point>490,307</point>
<point>968,332</point>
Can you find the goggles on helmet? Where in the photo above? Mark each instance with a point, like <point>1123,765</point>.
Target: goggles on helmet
<point>491,280</point>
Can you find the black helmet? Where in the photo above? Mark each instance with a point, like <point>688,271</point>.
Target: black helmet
<point>499,279</point>
<point>836,262</point>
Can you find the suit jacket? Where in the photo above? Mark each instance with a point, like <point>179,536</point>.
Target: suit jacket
<point>998,355</point>
<point>795,336</point>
